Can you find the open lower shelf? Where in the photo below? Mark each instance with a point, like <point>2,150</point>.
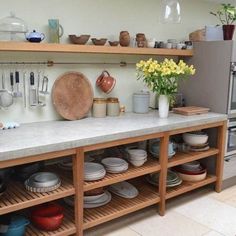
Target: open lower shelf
<point>17,197</point>
<point>72,48</point>
<point>188,186</point>
<point>181,158</point>
<point>67,227</point>
<point>148,195</point>
<point>150,166</point>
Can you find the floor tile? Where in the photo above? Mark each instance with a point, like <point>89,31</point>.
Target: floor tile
<point>171,224</point>
<point>212,213</point>
<point>108,230</point>
<point>225,194</point>
<point>212,233</point>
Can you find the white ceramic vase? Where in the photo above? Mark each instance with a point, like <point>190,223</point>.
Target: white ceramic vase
<point>163,106</point>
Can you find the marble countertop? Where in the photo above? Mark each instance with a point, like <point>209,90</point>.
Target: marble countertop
<point>41,137</point>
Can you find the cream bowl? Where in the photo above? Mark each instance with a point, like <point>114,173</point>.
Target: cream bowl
<point>192,178</point>
<point>195,139</point>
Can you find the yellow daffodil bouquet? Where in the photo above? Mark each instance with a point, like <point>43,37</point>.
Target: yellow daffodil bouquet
<point>163,77</point>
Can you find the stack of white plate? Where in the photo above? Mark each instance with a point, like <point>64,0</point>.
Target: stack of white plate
<point>124,189</point>
<point>137,157</point>
<point>93,171</point>
<point>91,201</point>
<point>115,165</point>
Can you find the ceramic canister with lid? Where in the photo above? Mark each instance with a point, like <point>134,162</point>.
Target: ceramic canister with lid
<point>99,107</point>
<point>113,107</point>
<point>141,102</point>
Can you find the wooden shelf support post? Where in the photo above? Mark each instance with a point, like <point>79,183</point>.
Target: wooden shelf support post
<point>78,179</point>
<point>221,137</point>
<point>163,173</point>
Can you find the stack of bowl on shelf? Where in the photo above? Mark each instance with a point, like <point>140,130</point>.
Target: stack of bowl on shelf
<point>196,141</point>
<point>93,171</point>
<point>192,171</point>
<point>92,199</point>
<point>137,157</point>
<point>172,180</point>
<point>154,149</point>
<point>42,182</point>
<point>124,189</point>
<point>115,165</point>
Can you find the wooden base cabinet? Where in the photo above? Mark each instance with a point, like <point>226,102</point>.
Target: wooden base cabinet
<point>78,219</point>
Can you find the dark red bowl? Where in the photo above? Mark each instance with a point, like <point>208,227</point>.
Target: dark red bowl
<point>47,217</point>
<point>187,172</point>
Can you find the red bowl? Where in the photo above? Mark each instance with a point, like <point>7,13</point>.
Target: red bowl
<point>47,217</point>
<point>187,172</point>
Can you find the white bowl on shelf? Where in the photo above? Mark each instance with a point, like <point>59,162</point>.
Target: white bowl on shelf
<point>193,178</point>
<point>137,163</point>
<point>195,139</point>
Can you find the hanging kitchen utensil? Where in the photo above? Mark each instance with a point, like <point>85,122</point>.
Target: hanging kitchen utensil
<point>44,89</point>
<point>17,93</point>
<point>40,103</point>
<point>6,97</point>
<point>32,91</point>
<point>12,82</point>
<point>72,95</point>
<point>24,87</point>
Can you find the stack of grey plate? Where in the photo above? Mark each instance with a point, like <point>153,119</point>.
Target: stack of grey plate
<point>93,171</point>
<point>172,179</point>
<point>91,201</point>
<point>115,165</point>
<point>42,182</point>
<point>124,189</point>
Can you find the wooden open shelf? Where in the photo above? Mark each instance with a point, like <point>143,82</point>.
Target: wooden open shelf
<point>150,166</point>
<point>67,227</point>
<point>119,206</point>
<point>188,186</point>
<point>181,158</point>
<point>72,48</point>
<point>17,197</point>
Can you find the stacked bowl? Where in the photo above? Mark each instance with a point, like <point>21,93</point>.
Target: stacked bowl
<point>93,171</point>
<point>196,141</point>
<point>154,149</point>
<point>137,157</point>
<point>192,171</point>
<point>115,165</point>
<point>172,180</point>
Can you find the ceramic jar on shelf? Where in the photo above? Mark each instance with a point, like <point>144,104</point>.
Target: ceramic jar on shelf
<point>141,40</point>
<point>113,107</point>
<point>124,39</point>
<point>99,107</point>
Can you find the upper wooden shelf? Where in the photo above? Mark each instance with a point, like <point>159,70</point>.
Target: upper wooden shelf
<point>73,48</point>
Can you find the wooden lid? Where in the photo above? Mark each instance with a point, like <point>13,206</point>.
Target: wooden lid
<point>72,95</point>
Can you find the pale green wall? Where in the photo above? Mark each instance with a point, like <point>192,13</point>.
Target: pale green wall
<point>100,18</point>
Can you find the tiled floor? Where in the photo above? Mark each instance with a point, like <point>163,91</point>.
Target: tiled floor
<point>200,213</point>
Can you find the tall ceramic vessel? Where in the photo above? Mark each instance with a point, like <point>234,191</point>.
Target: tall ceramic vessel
<point>163,106</point>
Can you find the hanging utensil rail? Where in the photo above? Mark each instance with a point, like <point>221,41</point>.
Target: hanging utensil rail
<point>52,63</point>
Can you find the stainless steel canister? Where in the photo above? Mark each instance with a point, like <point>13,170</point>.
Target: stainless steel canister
<point>141,102</point>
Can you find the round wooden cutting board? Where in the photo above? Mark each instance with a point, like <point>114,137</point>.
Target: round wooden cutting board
<point>72,95</point>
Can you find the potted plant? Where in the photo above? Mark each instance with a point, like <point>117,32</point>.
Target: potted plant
<point>162,78</point>
<point>227,16</point>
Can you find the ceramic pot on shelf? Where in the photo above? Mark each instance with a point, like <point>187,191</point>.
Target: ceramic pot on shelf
<point>141,40</point>
<point>124,39</point>
<point>163,106</point>
<point>106,82</point>
<point>228,31</point>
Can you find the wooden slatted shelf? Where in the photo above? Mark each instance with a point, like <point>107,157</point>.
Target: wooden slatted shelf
<point>188,186</point>
<point>119,206</point>
<point>181,158</point>
<point>150,166</point>
<point>72,48</point>
<point>67,227</point>
<point>17,197</point>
